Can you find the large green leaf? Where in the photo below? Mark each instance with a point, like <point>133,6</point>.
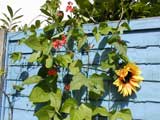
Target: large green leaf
<point>96,86</point>
<point>34,56</point>
<point>39,95</point>
<point>64,60</point>
<point>75,66</point>
<point>100,111</point>
<point>122,48</point>
<point>56,99</point>
<point>78,81</point>
<point>81,113</point>
<point>32,80</point>
<point>68,105</point>
<point>86,112</point>
<point>45,113</point>
<point>124,114</point>
<point>34,43</point>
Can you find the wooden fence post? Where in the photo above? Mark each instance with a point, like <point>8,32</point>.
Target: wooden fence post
<point>2,59</point>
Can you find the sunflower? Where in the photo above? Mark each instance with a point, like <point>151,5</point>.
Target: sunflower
<point>128,79</point>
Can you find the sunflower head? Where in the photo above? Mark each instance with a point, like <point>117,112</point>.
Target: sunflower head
<point>128,79</point>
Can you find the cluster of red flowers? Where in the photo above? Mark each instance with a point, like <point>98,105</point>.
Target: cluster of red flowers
<point>69,7</point>
<point>59,43</point>
<point>52,72</point>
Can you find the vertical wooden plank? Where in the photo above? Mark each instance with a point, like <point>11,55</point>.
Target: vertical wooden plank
<point>2,59</point>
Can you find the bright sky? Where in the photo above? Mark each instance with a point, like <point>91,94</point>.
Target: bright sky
<point>30,8</point>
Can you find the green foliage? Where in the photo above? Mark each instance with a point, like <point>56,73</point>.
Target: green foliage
<point>124,114</point>
<point>56,50</point>
<point>45,113</point>
<point>10,22</point>
<point>32,80</point>
<point>78,81</point>
<point>75,67</point>
<point>39,95</point>
<point>69,104</point>
<point>16,56</point>
<point>101,111</point>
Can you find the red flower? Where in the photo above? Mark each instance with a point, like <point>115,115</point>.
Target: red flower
<point>64,40</point>
<point>52,72</point>
<point>56,44</point>
<point>67,87</point>
<point>69,7</point>
<point>59,43</point>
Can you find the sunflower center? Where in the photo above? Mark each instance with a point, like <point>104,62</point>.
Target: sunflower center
<point>127,78</point>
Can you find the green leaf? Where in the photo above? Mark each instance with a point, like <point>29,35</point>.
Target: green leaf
<point>75,66</point>
<point>18,87</point>
<point>49,62</point>
<point>82,113</point>
<point>86,112</point>
<point>32,80</point>
<point>10,10</point>
<point>122,48</point>
<point>113,38</point>
<point>81,41</point>
<point>16,56</point>
<point>68,105</point>
<point>96,86</point>
<point>124,26</point>
<point>34,56</point>
<point>14,27</point>
<point>34,43</point>
<point>5,22</point>
<point>100,111</point>
<point>17,11</point>
<point>6,17</point>
<point>56,99</point>
<point>45,12</point>
<point>64,60</point>
<point>104,28</point>
<point>78,81</point>
<point>38,23</point>
<point>96,34</point>
<point>124,114</point>
<point>45,113</point>
<point>106,65</point>
<point>18,17</point>
<point>39,95</point>
<point>75,114</point>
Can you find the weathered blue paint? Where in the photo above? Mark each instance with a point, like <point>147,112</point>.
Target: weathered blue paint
<point>143,48</point>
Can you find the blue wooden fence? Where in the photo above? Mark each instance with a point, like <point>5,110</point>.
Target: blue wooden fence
<point>143,48</point>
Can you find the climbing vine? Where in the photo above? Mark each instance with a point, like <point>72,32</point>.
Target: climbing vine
<point>56,50</point>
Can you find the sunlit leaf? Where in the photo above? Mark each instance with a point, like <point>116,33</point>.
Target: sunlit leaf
<point>32,80</point>
<point>16,56</point>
